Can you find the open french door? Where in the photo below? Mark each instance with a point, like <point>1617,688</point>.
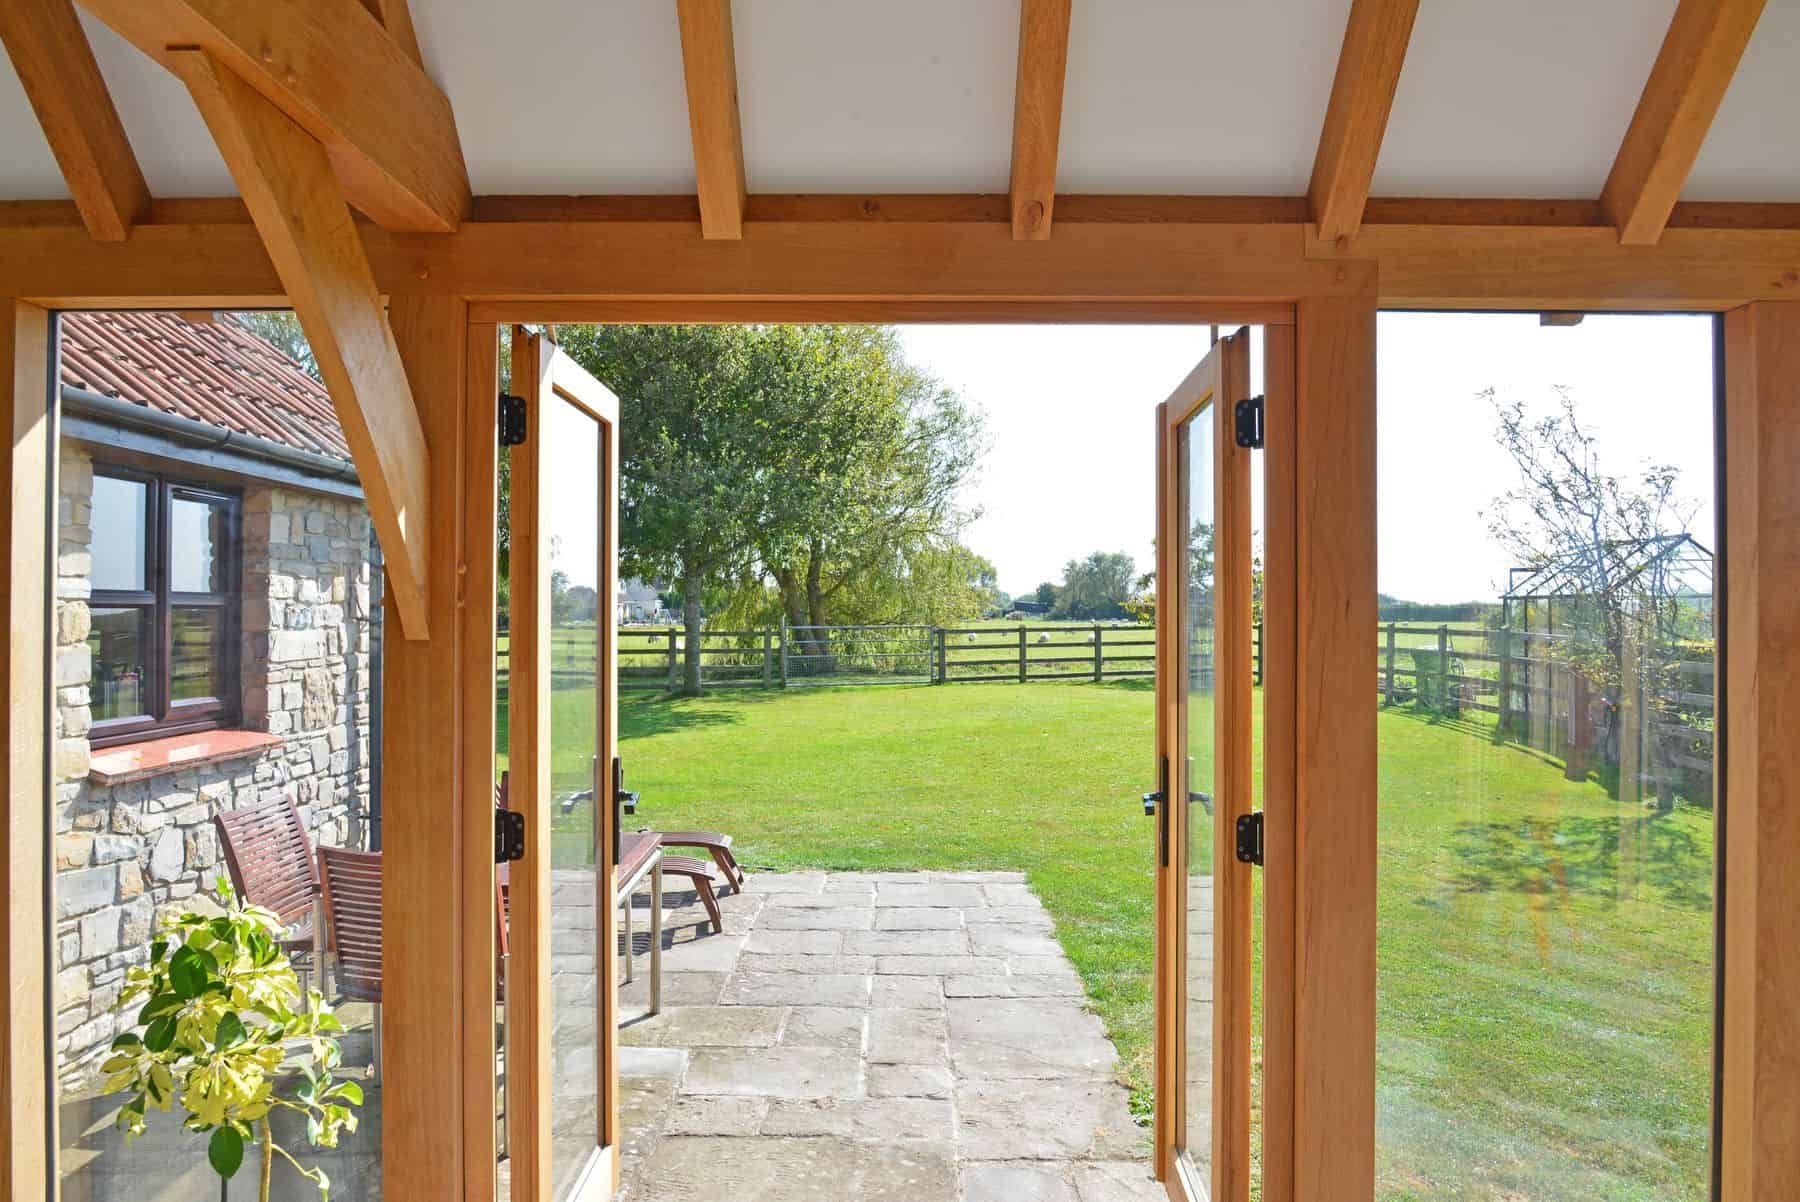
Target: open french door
<point>562,1074</point>
<point>1204,784</point>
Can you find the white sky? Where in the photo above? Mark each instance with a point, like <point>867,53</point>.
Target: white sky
<point>1070,408</point>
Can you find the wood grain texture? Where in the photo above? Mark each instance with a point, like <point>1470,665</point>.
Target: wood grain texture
<point>709,62</point>
<point>476,576</point>
<point>1037,114</point>
<point>1760,1099</point>
<point>1334,769</point>
<point>529,1012</point>
<point>287,184</point>
<point>1171,952</point>
<point>1699,55</point>
<point>27,1124</point>
<point>1281,598</point>
<point>423,775</point>
<point>56,66</point>
<point>1149,312</point>
<point>396,18</point>
<point>1362,96</point>
<point>333,69</point>
<point>1234,787</point>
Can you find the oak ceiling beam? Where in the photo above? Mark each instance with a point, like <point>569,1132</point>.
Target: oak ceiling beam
<point>1037,113</point>
<point>1362,96</point>
<point>55,63</point>
<point>286,181</point>
<point>710,62</point>
<point>341,76</point>
<point>1699,55</point>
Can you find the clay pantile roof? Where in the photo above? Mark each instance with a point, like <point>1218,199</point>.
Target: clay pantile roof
<point>216,372</point>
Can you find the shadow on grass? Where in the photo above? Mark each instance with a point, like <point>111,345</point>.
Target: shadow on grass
<point>1485,731</point>
<point>1582,857</point>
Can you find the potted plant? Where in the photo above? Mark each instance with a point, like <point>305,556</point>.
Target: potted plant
<point>215,1024</point>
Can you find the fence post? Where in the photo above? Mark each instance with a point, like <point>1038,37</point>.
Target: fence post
<point>674,667</point>
<point>768,656</point>
<point>1099,634</point>
<point>1443,668</point>
<point>1390,663</point>
<point>942,655</point>
<point>1021,653</point>
<point>784,645</point>
<point>1505,718</point>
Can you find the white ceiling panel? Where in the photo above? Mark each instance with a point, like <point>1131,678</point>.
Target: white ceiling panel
<point>862,97</point>
<point>1221,98</point>
<point>28,170</point>
<point>563,96</point>
<point>1753,149</point>
<point>1526,98</point>
<point>174,148</point>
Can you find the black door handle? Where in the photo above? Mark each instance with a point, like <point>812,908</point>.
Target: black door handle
<point>624,802</point>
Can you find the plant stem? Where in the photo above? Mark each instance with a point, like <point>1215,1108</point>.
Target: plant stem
<point>268,1159</point>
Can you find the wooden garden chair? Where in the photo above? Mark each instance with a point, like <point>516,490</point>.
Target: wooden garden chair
<point>270,862</point>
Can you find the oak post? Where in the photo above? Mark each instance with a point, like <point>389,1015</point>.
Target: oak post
<point>27,1122</point>
<point>1021,653</point>
<point>1759,685</point>
<point>422,774</point>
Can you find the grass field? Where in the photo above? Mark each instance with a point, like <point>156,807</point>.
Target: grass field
<point>1544,951</point>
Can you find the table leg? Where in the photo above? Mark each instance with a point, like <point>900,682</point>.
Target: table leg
<point>626,901</point>
<point>656,887</point>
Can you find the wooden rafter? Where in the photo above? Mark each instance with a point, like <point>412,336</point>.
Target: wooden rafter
<point>286,181</point>
<point>56,65</point>
<point>1699,55</point>
<point>336,72</point>
<point>710,63</point>
<point>1362,96</point>
<point>396,18</point>
<point>1037,113</point>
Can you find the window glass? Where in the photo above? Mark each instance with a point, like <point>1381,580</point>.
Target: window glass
<point>120,525</point>
<point>117,641</point>
<point>198,541</point>
<point>1545,661</point>
<point>197,652</point>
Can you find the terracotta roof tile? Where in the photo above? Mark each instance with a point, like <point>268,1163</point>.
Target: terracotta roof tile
<point>216,372</point>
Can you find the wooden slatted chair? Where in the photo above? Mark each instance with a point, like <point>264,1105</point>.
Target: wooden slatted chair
<point>351,886</point>
<point>270,861</point>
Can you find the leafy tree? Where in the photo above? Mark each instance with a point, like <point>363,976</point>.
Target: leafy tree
<point>863,465</point>
<point>1096,587</point>
<point>1046,595</point>
<point>693,452</point>
<point>1591,535</point>
<point>281,329</point>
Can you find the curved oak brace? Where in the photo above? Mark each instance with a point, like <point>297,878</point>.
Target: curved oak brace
<point>287,183</point>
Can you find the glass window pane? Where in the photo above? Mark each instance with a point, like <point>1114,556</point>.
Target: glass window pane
<point>118,640</point>
<point>572,529</point>
<point>197,654</point>
<point>1546,665</point>
<point>199,539</point>
<point>1196,450</point>
<point>121,533</point>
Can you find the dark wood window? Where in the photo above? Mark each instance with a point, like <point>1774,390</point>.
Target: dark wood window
<point>163,611</point>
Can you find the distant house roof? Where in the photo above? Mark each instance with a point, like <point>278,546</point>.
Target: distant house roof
<point>215,372</point>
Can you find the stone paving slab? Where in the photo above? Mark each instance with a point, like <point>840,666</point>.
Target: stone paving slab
<point>874,1037</point>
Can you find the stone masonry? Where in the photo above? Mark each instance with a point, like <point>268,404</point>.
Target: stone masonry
<point>127,851</point>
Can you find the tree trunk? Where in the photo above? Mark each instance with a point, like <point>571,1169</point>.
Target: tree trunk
<point>690,621</point>
<point>815,603</point>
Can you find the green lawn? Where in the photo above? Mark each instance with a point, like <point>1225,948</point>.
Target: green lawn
<point>1544,951</point>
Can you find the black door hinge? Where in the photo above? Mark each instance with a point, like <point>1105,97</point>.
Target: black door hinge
<point>509,836</point>
<point>1250,838</point>
<point>512,420</point>
<point>1250,413</point>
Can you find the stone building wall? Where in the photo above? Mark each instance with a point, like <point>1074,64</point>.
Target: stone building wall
<point>126,852</point>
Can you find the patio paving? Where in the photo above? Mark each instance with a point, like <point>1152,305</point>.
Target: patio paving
<point>866,1037</point>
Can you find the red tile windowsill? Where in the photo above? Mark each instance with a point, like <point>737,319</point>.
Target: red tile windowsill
<point>176,753</point>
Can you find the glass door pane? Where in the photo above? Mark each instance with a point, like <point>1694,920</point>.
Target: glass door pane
<point>1197,644</point>
<point>571,525</point>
